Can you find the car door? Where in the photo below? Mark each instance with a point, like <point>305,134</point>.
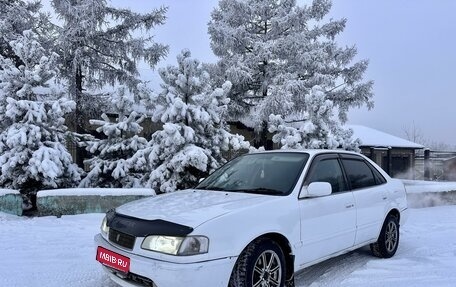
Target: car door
<point>327,223</point>
<point>369,192</point>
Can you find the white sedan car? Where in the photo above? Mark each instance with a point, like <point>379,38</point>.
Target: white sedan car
<point>255,222</point>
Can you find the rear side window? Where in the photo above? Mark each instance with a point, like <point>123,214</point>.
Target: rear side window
<point>359,174</point>
<point>378,176</point>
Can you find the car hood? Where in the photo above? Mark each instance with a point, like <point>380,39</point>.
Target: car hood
<point>191,207</point>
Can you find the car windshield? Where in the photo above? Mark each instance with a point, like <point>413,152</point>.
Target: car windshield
<point>263,173</point>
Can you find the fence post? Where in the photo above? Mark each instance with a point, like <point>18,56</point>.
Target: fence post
<point>389,157</point>
<point>427,164</point>
<point>372,154</point>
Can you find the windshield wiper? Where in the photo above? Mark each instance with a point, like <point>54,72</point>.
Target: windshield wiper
<point>261,190</point>
<point>213,188</point>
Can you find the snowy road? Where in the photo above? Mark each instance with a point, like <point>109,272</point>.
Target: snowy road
<point>54,252</point>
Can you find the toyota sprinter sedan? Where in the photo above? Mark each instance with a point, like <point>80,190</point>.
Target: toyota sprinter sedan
<point>255,222</point>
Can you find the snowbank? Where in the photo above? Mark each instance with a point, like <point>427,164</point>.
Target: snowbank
<point>430,193</point>
<point>420,186</point>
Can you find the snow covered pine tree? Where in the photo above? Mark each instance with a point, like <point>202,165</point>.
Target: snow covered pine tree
<point>288,74</point>
<point>99,45</point>
<point>33,155</point>
<point>194,133</point>
<point>17,16</point>
<point>110,166</point>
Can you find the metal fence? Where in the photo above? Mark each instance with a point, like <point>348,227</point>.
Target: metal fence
<point>431,165</point>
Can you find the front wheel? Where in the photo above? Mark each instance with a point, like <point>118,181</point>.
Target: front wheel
<point>388,240</point>
<point>261,264</point>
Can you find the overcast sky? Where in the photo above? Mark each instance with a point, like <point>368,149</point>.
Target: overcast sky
<point>411,46</point>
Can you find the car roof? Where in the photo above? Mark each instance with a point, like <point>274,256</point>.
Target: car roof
<point>311,152</point>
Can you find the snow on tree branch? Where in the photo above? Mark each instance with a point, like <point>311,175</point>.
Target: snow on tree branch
<point>275,53</point>
<point>110,165</point>
<point>32,132</point>
<point>195,133</point>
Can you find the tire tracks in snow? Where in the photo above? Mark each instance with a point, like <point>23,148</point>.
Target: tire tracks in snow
<point>333,271</point>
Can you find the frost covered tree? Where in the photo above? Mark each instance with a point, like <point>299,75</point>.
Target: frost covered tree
<point>99,45</point>
<point>17,16</point>
<point>318,130</point>
<point>32,145</point>
<point>110,166</point>
<point>194,134</point>
<point>283,60</point>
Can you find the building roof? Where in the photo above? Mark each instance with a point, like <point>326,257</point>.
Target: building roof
<point>374,138</point>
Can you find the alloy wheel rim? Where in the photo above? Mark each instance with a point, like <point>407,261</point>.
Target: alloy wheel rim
<point>391,236</point>
<point>267,271</point>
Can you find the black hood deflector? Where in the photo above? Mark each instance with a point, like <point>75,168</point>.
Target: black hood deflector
<point>141,227</point>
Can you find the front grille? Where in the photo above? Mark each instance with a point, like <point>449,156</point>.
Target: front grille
<point>122,239</point>
<point>132,277</point>
<point>144,281</point>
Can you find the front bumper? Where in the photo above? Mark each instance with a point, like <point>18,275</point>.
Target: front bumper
<point>214,273</point>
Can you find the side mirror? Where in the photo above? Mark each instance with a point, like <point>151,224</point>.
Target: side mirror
<point>316,189</point>
<point>201,179</point>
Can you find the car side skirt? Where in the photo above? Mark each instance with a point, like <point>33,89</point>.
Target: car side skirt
<point>301,267</point>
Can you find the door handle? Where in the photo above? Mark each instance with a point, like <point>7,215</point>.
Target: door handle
<point>351,205</point>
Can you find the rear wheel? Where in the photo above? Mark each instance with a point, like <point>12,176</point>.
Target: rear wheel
<point>261,264</point>
<point>388,240</point>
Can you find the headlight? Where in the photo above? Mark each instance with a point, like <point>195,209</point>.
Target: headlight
<point>183,246</point>
<point>104,226</point>
<point>193,245</point>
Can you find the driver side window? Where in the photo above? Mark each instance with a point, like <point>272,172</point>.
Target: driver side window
<point>328,170</point>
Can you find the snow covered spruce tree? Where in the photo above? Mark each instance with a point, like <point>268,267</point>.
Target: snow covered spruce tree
<point>17,16</point>
<point>283,60</point>
<point>32,143</point>
<point>99,45</point>
<point>194,133</point>
<point>110,166</point>
<point>315,127</point>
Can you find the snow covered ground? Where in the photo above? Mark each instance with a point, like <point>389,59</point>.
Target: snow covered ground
<point>54,252</point>
<point>426,257</point>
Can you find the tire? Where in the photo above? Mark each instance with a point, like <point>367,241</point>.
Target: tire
<point>250,270</point>
<point>388,240</point>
